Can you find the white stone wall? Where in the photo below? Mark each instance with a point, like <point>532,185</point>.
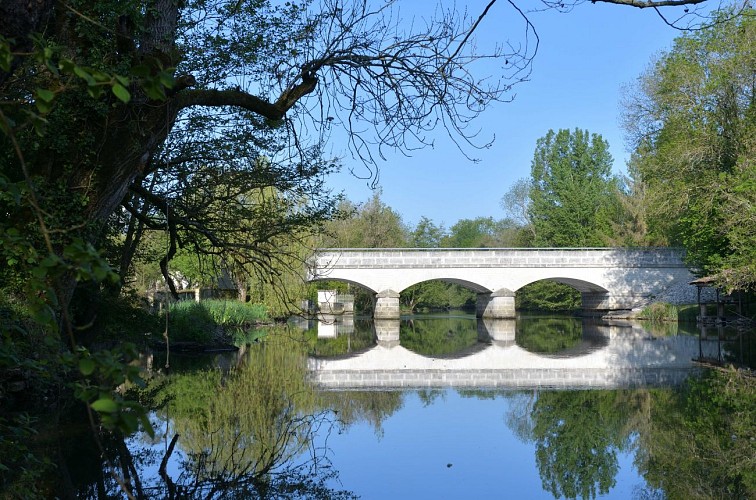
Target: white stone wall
<point>627,357</point>
<point>628,278</point>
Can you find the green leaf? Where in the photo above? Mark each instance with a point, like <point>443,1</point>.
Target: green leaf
<point>45,94</point>
<point>147,424</point>
<point>129,423</point>
<point>84,74</point>
<point>166,79</point>
<point>42,106</point>
<point>6,57</point>
<point>39,272</point>
<point>106,405</point>
<point>100,76</point>
<point>86,366</point>
<point>67,65</point>
<point>121,92</point>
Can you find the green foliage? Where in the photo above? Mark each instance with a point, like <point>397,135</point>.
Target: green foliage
<point>372,224</point>
<point>427,234</point>
<point>199,321</point>
<point>21,470</point>
<point>28,355</point>
<point>362,338</point>
<point>662,311</point>
<point>693,121</point>
<point>701,442</point>
<point>577,437</point>
<point>103,370</point>
<point>235,313</point>
<point>190,321</point>
<point>572,196</point>
<point>436,295</point>
<point>439,337</point>
<point>250,423</point>
<point>371,407</point>
<point>481,232</point>
<point>549,335</point>
<point>244,336</point>
<point>547,296</point>
<point>124,317</point>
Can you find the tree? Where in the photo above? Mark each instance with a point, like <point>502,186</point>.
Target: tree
<point>698,443</point>
<point>547,295</point>
<point>481,232</point>
<point>692,121</point>
<point>577,437</point>
<point>572,197</point>
<point>427,234</point>
<point>516,204</point>
<point>143,107</point>
<point>632,228</point>
<point>372,224</point>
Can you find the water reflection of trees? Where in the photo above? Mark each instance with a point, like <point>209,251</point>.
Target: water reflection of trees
<point>372,407</point>
<point>360,339</point>
<point>577,437</point>
<point>243,433</point>
<point>701,443</point>
<point>549,335</point>
<point>692,443</point>
<point>439,337</point>
<point>246,428</point>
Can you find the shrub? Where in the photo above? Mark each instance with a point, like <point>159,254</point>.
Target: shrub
<point>235,313</point>
<point>198,321</point>
<point>190,321</point>
<point>662,311</point>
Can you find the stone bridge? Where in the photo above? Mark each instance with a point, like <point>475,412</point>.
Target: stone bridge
<point>609,279</point>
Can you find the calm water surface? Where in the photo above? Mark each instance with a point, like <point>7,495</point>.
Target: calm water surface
<point>442,406</point>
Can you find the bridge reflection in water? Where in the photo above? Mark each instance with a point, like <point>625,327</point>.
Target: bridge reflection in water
<point>611,355</point>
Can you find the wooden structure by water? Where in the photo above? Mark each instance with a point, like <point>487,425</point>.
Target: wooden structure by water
<point>722,301</point>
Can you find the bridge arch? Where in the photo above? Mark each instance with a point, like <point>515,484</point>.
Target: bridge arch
<point>345,280</point>
<point>580,285</point>
<point>608,278</point>
<point>470,285</point>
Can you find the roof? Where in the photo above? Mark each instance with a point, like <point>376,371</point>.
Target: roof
<point>706,281</point>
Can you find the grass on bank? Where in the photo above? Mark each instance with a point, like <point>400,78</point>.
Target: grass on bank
<point>662,311</point>
<point>201,321</point>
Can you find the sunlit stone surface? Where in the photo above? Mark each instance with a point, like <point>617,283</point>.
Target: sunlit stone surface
<point>608,279</point>
<point>615,356</point>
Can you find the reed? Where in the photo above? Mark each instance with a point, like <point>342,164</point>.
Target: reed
<point>199,321</point>
<point>662,311</point>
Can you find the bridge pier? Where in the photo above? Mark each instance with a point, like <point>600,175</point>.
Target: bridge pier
<point>387,332</point>
<point>387,305</point>
<point>500,331</point>
<point>497,305</point>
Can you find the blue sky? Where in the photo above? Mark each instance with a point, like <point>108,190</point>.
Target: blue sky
<point>585,58</point>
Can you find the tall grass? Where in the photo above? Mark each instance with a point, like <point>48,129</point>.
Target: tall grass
<point>235,313</point>
<point>662,311</point>
<point>200,321</point>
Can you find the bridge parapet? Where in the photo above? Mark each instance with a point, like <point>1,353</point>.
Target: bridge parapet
<point>397,258</point>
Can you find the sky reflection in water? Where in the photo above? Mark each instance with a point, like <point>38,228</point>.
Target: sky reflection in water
<point>455,447</point>
<point>456,440</point>
<point>444,432</point>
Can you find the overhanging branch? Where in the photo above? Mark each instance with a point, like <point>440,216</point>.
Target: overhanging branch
<point>240,99</point>
<point>651,4</point>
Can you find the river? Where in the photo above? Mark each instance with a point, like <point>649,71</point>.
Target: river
<point>439,406</point>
